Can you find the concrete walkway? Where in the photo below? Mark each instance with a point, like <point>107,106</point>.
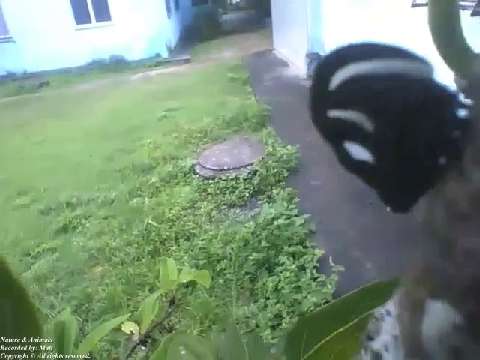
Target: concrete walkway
<point>352,225</point>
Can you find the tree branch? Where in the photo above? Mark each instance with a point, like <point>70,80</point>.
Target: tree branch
<point>446,28</point>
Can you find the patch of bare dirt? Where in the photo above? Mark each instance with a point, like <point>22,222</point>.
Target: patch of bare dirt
<point>236,46</point>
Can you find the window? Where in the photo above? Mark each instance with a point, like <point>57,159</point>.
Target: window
<point>476,10</point>
<point>199,2</point>
<point>88,12</point>
<point>169,8</point>
<point>467,4</point>
<point>4,32</point>
<point>418,3</point>
<point>177,5</point>
<point>464,4</point>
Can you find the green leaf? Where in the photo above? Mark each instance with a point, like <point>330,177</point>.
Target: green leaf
<point>231,346</point>
<point>168,274</point>
<point>342,316</point>
<point>92,339</point>
<point>189,347</point>
<point>203,278</point>
<point>256,348</point>
<point>277,350</point>
<point>345,344</point>
<point>161,352</point>
<point>65,332</point>
<point>186,275</point>
<point>17,311</point>
<point>172,269</point>
<point>149,310</point>
<point>203,305</point>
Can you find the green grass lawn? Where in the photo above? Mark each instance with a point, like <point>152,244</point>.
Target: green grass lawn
<point>77,140</point>
<point>96,184</point>
<point>58,79</point>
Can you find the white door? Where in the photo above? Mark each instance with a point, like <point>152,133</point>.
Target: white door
<point>290,30</point>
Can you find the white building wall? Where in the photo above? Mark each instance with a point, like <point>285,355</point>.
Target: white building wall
<point>393,22</point>
<point>323,25</point>
<point>45,36</point>
<point>290,30</point>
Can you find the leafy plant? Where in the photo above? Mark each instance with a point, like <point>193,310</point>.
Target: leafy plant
<point>64,331</point>
<point>17,312</point>
<point>335,330</point>
<point>227,345</point>
<point>92,339</point>
<point>149,309</point>
<point>161,304</point>
<point>19,319</point>
<point>183,346</point>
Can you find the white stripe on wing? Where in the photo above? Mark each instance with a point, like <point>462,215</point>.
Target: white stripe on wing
<point>413,68</point>
<point>358,152</point>
<point>353,116</point>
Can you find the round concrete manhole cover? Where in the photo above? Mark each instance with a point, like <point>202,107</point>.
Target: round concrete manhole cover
<point>214,174</point>
<point>236,153</point>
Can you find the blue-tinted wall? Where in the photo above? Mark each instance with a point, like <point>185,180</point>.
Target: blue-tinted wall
<point>46,37</point>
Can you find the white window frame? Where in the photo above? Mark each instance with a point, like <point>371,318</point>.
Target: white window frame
<point>94,23</point>
<point>8,37</point>
<point>463,4</point>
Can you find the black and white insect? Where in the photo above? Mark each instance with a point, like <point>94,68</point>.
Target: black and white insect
<point>387,119</point>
